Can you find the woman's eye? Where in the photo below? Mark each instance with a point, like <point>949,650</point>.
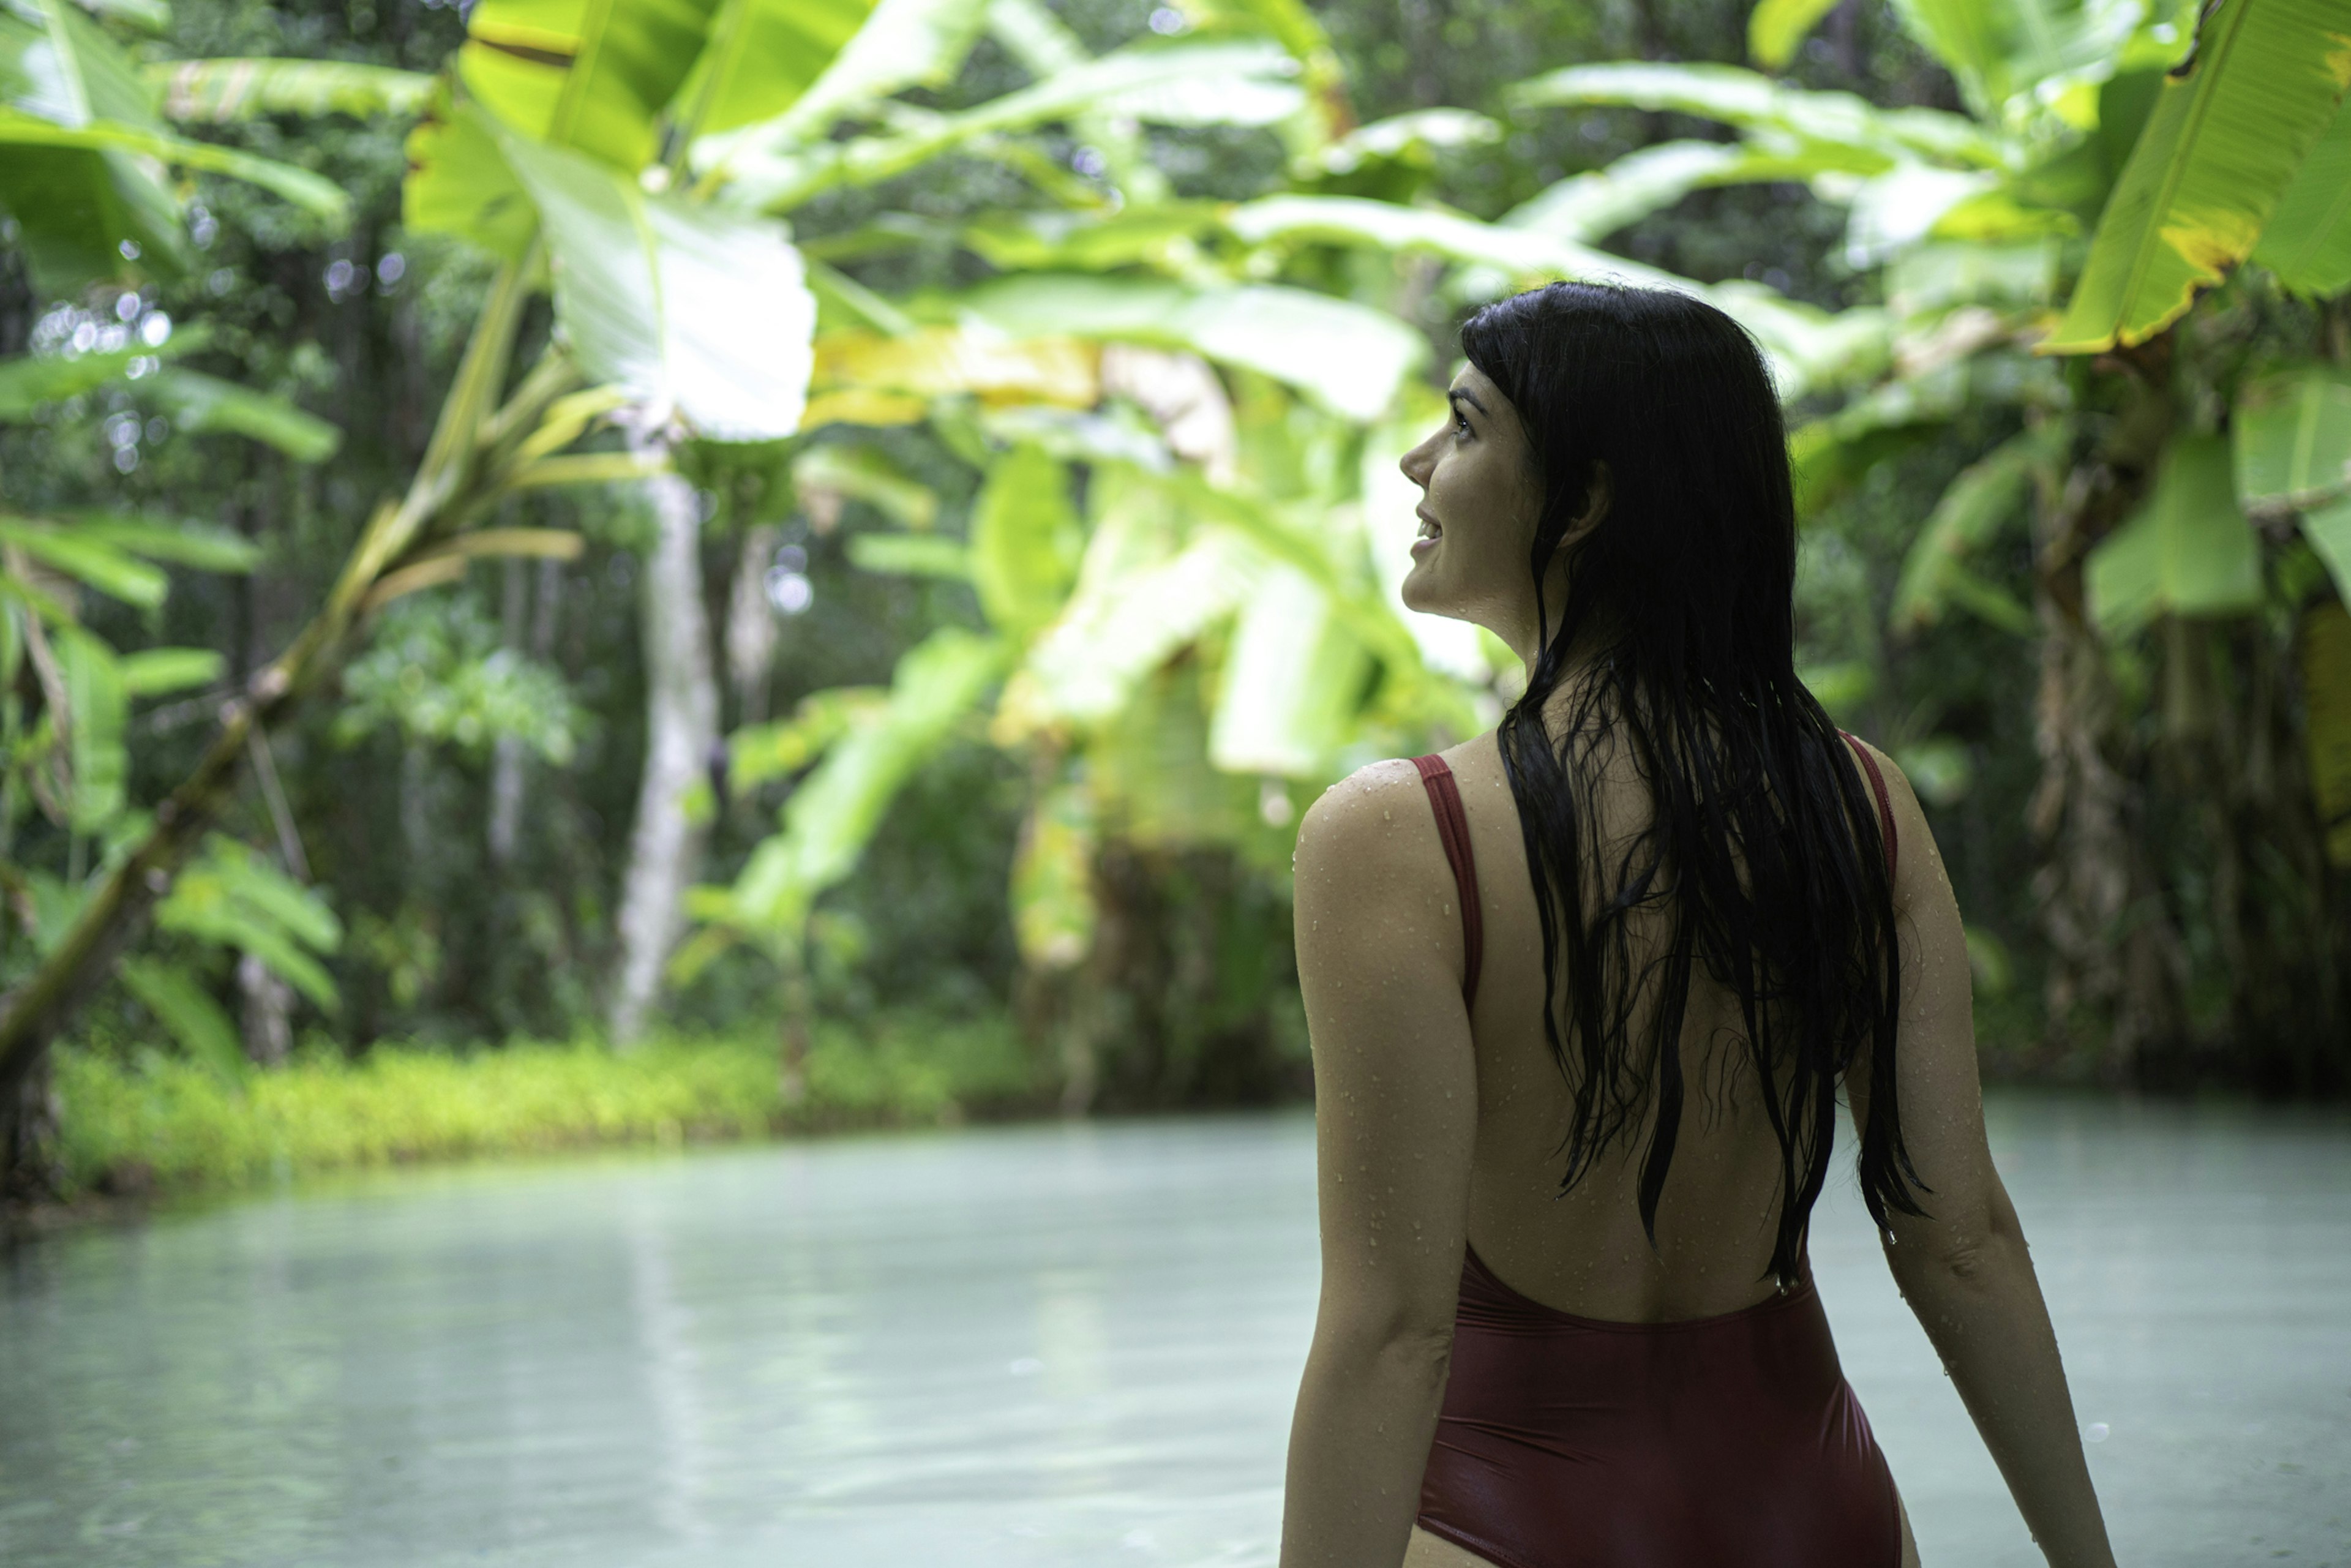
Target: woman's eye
<point>1460,425</point>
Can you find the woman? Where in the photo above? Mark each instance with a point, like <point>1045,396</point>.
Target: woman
<point>1582,993</point>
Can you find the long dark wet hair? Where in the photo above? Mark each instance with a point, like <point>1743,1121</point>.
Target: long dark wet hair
<point>1761,859</point>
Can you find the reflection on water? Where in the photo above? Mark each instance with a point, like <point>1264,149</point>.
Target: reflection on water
<point>1036,1346</point>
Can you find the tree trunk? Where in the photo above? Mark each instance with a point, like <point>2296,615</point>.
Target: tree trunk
<point>680,728</point>
<point>751,624</point>
<point>268,1013</point>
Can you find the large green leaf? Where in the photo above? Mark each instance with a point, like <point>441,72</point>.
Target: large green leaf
<point>1758,104</point>
<point>220,92</point>
<point>2188,552</point>
<point>1292,680</point>
<point>1809,347</point>
<point>688,307</point>
<point>1587,208</point>
<point>589,75</point>
<point>2226,138</point>
<point>187,1012</point>
<point>1973,510</point>
<point>81,212</point>
<point>904,44</point>
<point>2291,432</point>
<point>199,404</point>
<point>2307,242</point>
<point>97,713</point>
<point>459,182</point>
<point>832,815</point>
<point>1025,540</point>
<point>1181,82</point>
<point>33,136</point>
<point>1999,49</point>
<point>1349,357</point>
<point>761,56</point>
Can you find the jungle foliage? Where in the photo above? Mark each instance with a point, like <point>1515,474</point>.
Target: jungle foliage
<point>716,512</point>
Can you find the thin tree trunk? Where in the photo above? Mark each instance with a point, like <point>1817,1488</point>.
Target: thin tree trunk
<point>751,624</point>
<point>268,1013</point>
<point>680,728</point>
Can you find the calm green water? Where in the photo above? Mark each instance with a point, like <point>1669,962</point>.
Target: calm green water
<point>1039,1347</point>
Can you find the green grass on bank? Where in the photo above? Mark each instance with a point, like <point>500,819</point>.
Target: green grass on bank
<point>168,1125</point>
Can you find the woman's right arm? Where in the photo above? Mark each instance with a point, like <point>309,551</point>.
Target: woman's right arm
<point>1964,1267</point>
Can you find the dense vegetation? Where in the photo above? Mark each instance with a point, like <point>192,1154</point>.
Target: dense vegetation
<point>783,521</point>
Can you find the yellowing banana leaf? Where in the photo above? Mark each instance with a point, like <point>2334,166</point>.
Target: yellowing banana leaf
<point>187,1012</point>
<point>2307,240</point>
<point>1348,357</point>
<point>1293,678</point>
<point>2292,434</point>
<point>589,75</point>
<point>688,307</point>
<point>1758,104</point>
<point>1999,49</point>
<point>947,362</point>
<point>1026,540</point>
<point>222,91</point>
<point>2225,140</point>
<point>2188,552</point>
<point>1776,28</point>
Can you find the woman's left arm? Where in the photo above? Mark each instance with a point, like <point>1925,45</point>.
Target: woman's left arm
<point>1396,1116</point>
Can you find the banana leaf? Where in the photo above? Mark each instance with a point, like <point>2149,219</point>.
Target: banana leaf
<point>592,75</point>
<point>1776,28</point>
<point>2228,135</point>
<point>1349,357</point>
<point>2188,552</point>
<point>2291,436</point>
<point>1026,541</point>
<point>1999,49</point>
<point>687,307</point>
<point>1973,510</point>
<point>902,43</point>
<point>2307,240</point>
<point>1756,104</point>
<point>1293,679</point>
<point>223,92</point>
<point>761,55</point>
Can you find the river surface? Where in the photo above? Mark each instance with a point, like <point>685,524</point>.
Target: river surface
<point>1042,1346</point>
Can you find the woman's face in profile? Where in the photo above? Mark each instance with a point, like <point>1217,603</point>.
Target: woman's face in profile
<point>1477,512</point>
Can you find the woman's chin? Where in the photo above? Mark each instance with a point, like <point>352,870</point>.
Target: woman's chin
<point>1419,590</point>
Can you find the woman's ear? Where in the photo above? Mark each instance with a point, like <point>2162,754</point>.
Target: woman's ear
<point>1597,494</point>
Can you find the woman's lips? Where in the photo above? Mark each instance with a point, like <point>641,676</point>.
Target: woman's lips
<point>1430,532</point>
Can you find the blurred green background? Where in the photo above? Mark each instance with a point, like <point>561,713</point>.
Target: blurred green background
<point>687,568</point>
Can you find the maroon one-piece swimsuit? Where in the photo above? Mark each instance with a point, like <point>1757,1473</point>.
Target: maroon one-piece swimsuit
<point>1722,1442</point>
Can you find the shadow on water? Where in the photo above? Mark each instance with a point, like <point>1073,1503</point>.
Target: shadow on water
<point>1037,1346</point>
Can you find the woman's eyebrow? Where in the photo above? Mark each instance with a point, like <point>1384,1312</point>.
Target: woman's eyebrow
<point>1454,395</point>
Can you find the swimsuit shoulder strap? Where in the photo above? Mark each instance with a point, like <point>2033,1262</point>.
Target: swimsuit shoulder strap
<point>1453,828</point>
<point>1877,787</point>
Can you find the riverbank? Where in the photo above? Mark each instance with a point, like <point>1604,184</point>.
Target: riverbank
<point>162,1126</point>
